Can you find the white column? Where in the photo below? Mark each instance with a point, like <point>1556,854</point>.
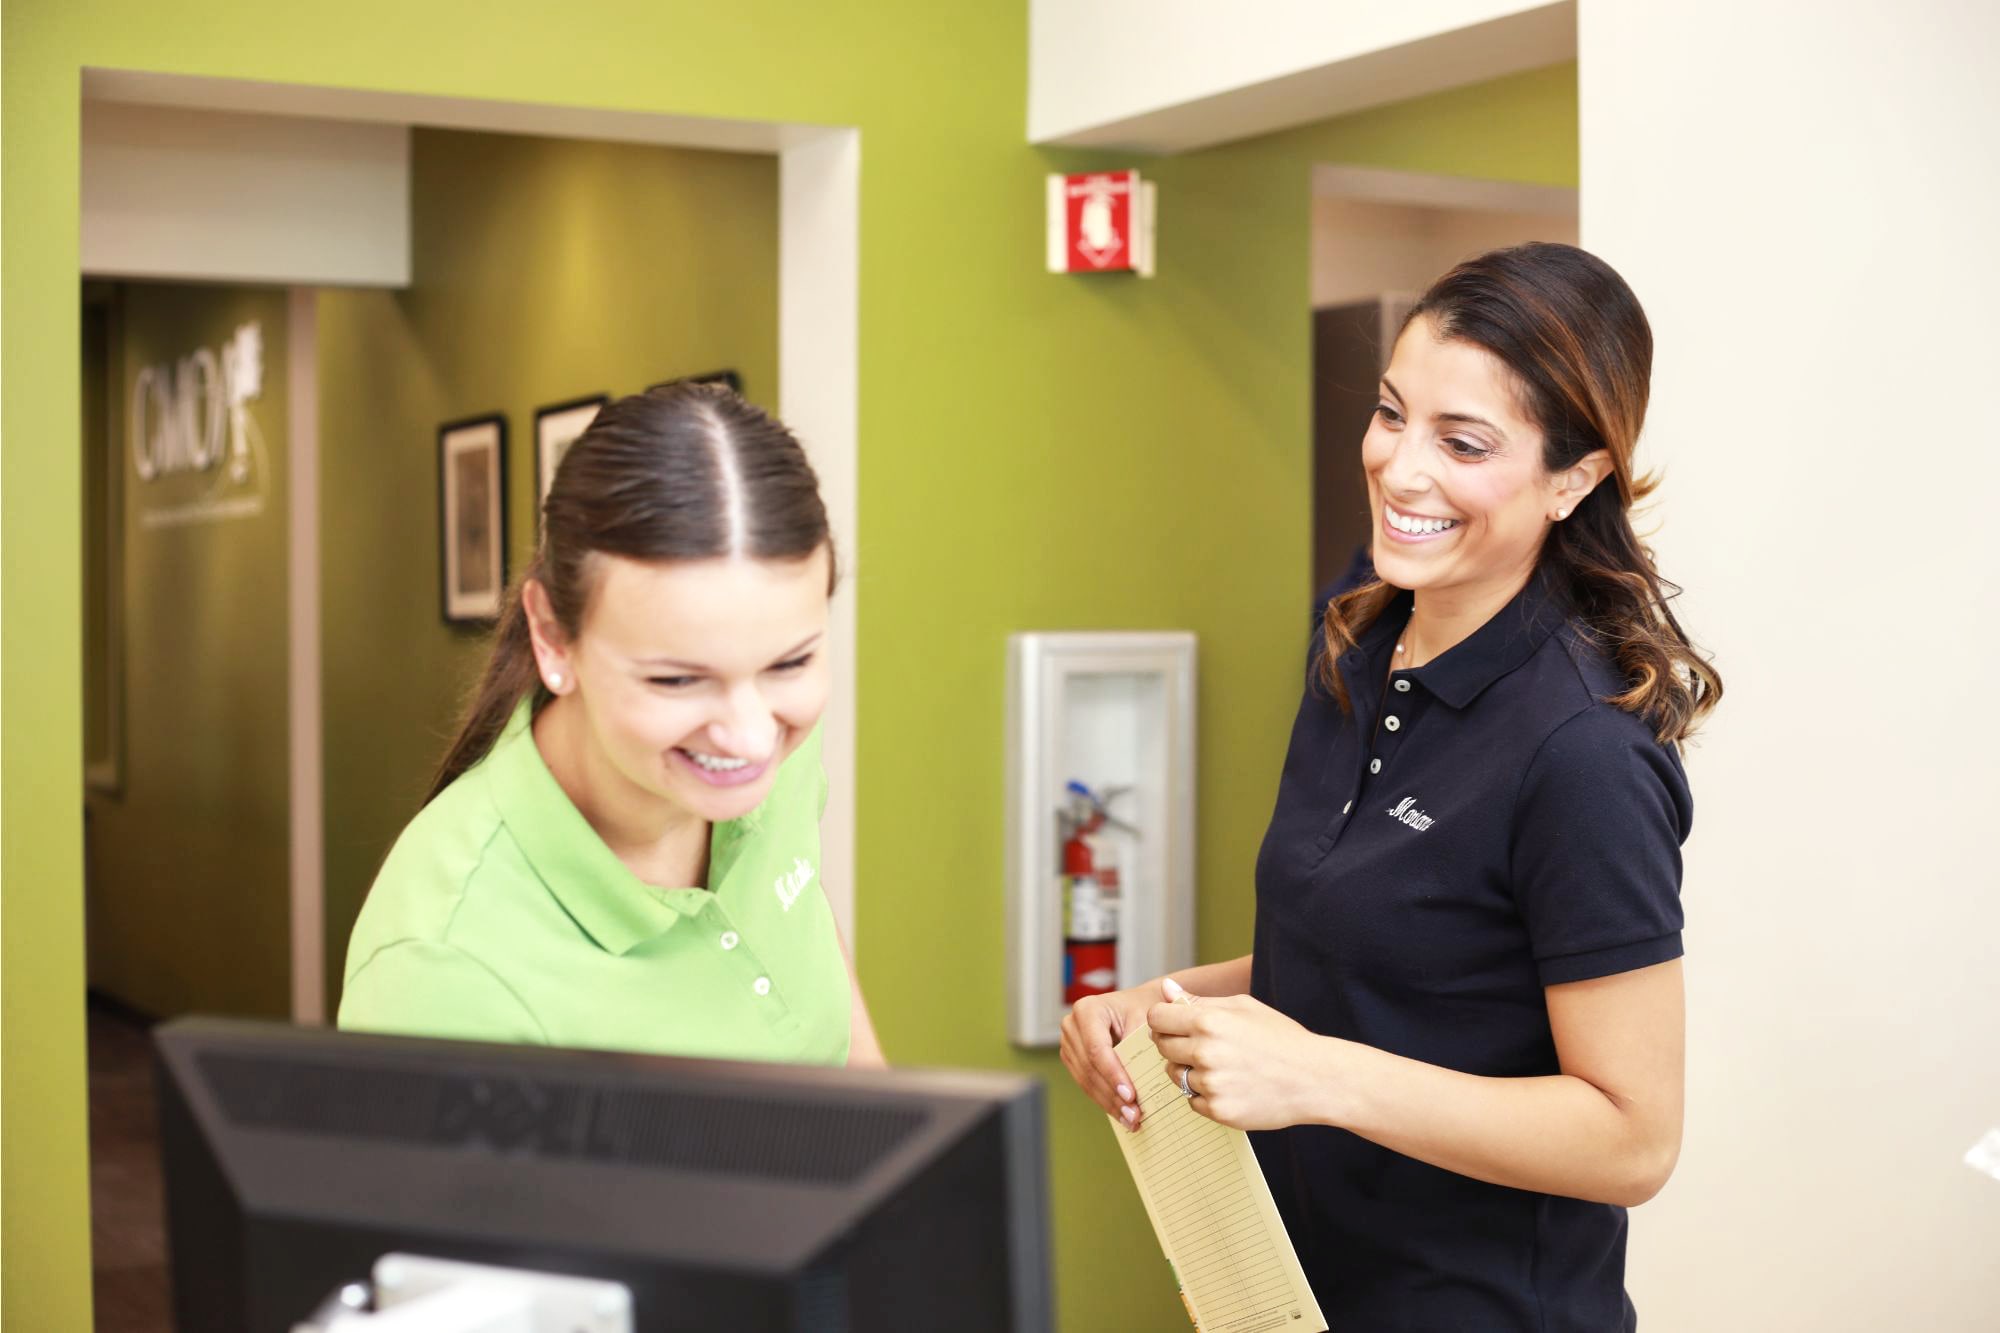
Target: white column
<point>1806,198</point>
<point>819,266</point>
<point>308,793</point>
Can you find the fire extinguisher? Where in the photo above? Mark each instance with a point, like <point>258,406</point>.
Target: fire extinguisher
<point>1091,890</point>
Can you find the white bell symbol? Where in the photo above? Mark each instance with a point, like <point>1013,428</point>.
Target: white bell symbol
<point>1096,223</point>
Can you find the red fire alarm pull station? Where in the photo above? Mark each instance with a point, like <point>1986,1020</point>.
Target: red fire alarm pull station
<point>1101,222</point>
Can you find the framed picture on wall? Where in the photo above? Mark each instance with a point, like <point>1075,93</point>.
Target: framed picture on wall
<point>556,429</point>
<point>729,377</point>
<point>472,518</point>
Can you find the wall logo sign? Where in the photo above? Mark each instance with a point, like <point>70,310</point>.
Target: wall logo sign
<point>198,452</point>
<point>1101,222</point>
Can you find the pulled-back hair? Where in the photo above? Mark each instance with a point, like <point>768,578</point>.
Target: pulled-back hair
<point>686,471</point>
<point>1580,348</point>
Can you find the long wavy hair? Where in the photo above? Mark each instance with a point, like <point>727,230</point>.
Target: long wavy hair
<point>687,471</point>
<point>1579,346</point>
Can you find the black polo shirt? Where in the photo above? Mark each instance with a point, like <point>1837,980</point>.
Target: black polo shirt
<point>1476,830</point>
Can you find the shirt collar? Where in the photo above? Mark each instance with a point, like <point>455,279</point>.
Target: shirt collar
<point>615,907</point>
<point>1459,675</point>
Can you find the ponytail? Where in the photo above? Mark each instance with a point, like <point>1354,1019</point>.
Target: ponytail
<point>509,677</point>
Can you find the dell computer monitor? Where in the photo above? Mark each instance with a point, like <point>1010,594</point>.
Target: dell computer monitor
<point>723,1195</point>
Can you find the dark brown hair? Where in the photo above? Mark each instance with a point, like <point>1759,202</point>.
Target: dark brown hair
<point>682,472</point>
<point>1581,351</point>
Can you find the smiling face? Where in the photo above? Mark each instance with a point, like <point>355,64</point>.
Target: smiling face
<point>1456,483</point>
<point>697,678</point>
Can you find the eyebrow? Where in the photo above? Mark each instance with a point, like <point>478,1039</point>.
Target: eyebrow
<point>1466,417</point>
<point>791,652</point>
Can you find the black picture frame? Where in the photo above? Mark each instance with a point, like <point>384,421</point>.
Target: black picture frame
<point>472,519</point>
<point>557,426</point>
<point>729,377</point>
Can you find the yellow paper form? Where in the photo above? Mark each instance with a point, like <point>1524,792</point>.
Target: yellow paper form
<point>1211,1209</point>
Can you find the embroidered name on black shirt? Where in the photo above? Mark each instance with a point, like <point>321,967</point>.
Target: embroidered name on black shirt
<point>1405,811</point>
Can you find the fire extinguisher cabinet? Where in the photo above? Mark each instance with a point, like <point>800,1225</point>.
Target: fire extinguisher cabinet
<point>1110,710</point>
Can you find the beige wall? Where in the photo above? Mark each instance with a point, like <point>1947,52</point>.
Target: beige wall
<point>1811,227</point>
<point>206,196</point>
<point>1169,77</point>
<point>1363,248</point>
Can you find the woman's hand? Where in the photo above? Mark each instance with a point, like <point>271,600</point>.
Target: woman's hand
<point>1249,1065</point>
<point>1094,1025</point>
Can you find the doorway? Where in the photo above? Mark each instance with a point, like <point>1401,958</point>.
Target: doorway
<point>1379,239</point>
<point>810,242</point>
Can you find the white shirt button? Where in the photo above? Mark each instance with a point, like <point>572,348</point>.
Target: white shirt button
<point>1374,765</point>
<point>1392,722</point>
<point>1345,808</point>
<point>762,985</point>
<point>1403,686</point>
<point>729,940</point>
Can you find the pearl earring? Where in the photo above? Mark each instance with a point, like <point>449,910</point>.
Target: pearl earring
<point>1562,514</point>
<point>555,680</point>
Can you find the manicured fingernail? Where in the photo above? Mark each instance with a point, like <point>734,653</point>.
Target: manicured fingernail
<point>1172,989</point>
<point>1131,1114</point>
<point>1124,1093</point>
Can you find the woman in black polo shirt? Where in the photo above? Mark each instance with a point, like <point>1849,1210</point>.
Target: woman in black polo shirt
<point>1461,1026</point>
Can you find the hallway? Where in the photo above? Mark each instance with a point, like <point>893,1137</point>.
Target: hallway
<point>128,1228</point>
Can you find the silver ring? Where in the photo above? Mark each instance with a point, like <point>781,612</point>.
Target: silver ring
<point>1186,1091</point>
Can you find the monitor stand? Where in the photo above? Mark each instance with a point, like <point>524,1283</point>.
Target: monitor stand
<point>413,1294</point>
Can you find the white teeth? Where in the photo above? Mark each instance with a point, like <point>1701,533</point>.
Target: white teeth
<point>715,764</point>
<point>1419,526</point>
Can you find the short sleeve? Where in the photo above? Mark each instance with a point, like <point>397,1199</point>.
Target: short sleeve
<point>415,988</point>
<point>1596,856</point>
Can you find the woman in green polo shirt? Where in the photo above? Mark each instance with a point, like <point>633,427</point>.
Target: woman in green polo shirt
<point>621,849</point>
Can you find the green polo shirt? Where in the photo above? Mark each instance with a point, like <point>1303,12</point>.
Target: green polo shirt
<point>500,915</point>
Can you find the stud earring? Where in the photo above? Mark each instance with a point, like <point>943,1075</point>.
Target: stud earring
<point>1561,514</point>
<point>555,680</point>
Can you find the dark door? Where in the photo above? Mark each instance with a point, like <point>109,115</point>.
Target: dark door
<point>1349,353</point>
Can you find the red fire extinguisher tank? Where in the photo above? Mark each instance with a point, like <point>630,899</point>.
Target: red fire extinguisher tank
<point>1090,901</point>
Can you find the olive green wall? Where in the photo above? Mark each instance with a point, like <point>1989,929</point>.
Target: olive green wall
<point>188,897</point>
<point>543,270</point>
<point>1036,452</point>
<point>1131,454</point>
